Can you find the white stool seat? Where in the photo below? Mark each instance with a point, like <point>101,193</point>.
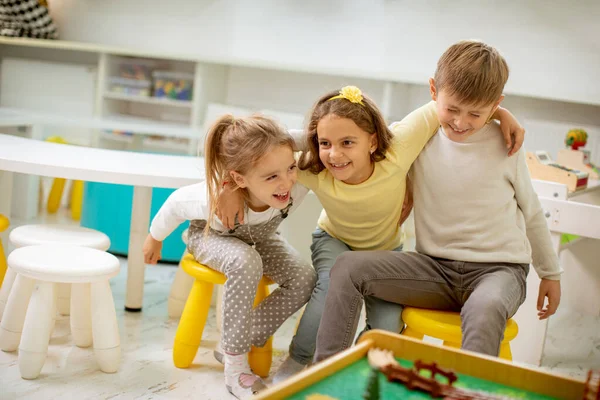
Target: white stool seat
<point>29,235</point>
<point>63,263</point>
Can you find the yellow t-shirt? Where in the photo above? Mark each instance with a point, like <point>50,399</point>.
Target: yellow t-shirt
<point>365,216</point>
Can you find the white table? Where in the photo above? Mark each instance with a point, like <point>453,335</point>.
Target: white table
<point>143,171</point>
<point>576,213</point>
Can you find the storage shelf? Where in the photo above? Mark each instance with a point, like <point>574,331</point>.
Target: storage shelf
<point>148,100</point>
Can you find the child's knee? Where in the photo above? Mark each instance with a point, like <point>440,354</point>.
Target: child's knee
<point>246,262</point>
<point>348,266</point>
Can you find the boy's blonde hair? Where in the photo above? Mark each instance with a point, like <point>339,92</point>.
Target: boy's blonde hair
<point>473,71</point>
<point>365,114</point>
<point>237,144</point>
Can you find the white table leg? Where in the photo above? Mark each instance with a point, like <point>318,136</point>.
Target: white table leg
<point>6,186</point>
<point>140,220</point>
<point>7,284</point>
<point>11,325</point>
<point>180,289</point>
<point>81,314</point>
<point>36,333</point>
<point>105,331</point>
<point>64,298</point>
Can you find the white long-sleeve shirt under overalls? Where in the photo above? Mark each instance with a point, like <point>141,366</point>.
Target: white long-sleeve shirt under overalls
<point>244,255</point>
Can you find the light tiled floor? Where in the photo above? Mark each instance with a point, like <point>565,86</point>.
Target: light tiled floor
<point>147,372</point>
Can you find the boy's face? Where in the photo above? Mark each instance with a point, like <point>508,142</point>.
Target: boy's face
<point>458,119</point>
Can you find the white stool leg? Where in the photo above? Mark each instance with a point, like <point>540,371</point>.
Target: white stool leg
<point>180,290</point>
<point>219,308</point>
<point>105,331</point>
<point>64,298</point>
<point>14,313</point>
<point>81,314</point>
<point>36,332</point>
<point>53,310</point>
<point>7,284</point>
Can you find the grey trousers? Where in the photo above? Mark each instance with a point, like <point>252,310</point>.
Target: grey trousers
<point>380,314</point>
<point>486,294</point>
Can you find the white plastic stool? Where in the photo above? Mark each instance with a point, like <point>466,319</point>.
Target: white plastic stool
<point>30,235</point>
<point>28,323</point>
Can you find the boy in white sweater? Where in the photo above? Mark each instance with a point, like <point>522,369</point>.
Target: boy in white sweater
<point>478,221</point>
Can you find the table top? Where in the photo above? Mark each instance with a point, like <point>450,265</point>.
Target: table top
<point>36,157</point>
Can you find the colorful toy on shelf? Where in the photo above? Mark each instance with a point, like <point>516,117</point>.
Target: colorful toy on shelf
<point>575,157</point>
<point>576,138</point>
<point>542,167</point>
<point>173,85</point>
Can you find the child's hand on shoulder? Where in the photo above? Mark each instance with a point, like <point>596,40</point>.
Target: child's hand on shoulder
<point>152,249</point>
<point>230,204</point>
<point>513,132</point>
<point>551,289</point>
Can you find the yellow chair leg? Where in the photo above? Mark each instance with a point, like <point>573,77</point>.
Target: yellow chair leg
<point>2,264</point>
<point>260,358</point>
<point>505,352</point>
<point>56,192</point>
<point>451,344</point>
<point>76,199</point>
<point>412,333</point>
<point>191,324</point>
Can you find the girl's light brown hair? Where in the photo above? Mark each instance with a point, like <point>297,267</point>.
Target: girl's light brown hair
<point>367,116</point>
<point>473,71</point>
<point>237,144</point>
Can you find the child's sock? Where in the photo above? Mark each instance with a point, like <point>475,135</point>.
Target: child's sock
<point>239,379</point>
<point>288,368</point>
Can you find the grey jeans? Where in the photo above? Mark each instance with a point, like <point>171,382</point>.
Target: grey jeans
<point>486,294</point>
<point>380,313</point>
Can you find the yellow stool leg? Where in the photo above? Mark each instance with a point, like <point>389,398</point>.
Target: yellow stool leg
<point>76,199</point>
<point>410,332</point>
<point>191,324</point>
<point>58,186</point>
<point>2,264</point>
<point>260,358</point>
<point>505,352</point>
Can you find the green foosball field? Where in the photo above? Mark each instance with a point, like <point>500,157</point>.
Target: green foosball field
<point>346,375</point>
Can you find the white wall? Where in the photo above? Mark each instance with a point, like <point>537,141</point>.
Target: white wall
<point>552,47</point>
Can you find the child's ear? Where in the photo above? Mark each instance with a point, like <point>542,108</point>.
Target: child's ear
<point>496,105</point>
<point>432,89</point>
<point>238,179</point>
<point>374,144</point>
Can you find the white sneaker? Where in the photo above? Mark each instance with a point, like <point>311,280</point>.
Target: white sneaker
<point>289,368</point>
<point>239,379</point>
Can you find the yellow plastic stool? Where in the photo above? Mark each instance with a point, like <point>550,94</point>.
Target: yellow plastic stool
<point>445,325</point>
<point>4,223</point>
<point>193,318</point>
<point>58,185</point>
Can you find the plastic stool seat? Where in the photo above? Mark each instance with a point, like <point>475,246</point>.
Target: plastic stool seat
<point>28,235</point>
<point>446,325</point>
<point>63,263</point>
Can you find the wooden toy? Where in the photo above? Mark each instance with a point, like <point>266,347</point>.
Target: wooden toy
<point>542,167</point>
<point>346,375</point>
<point>576,158</point>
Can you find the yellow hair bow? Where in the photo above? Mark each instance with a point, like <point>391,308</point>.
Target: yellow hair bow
<point>350,93</point>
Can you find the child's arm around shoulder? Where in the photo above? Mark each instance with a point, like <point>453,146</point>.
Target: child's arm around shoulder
<point>544,258</point>
<point>413,132</point>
